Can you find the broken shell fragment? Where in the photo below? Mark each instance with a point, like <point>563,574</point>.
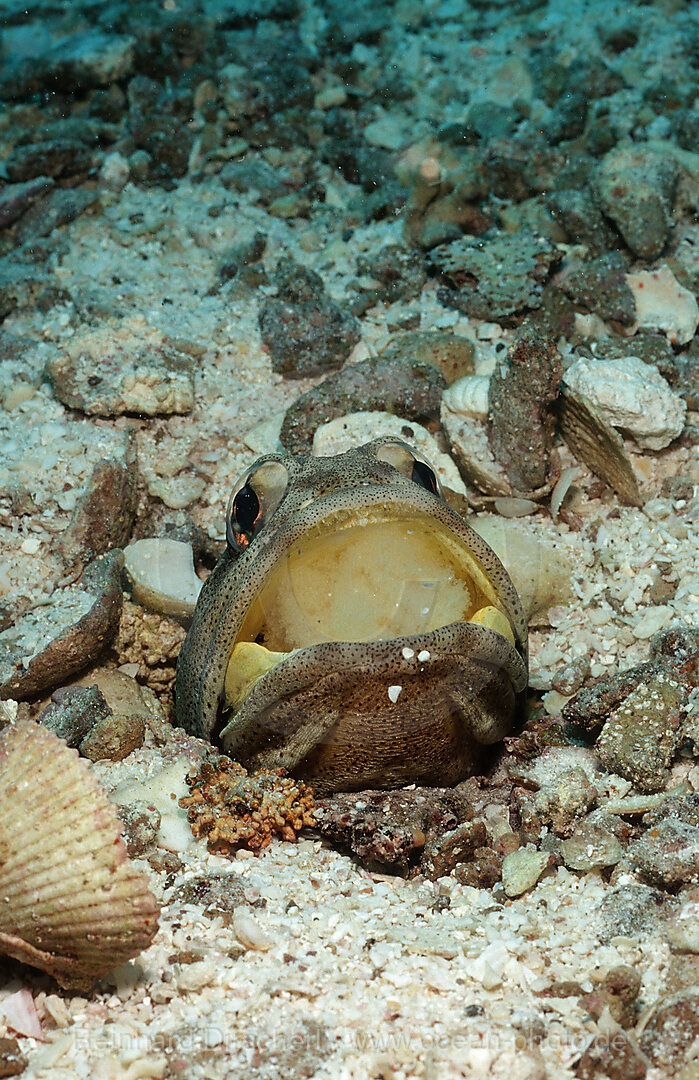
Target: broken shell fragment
<point>468,440</point>
<point>71,903</point>
<point>162,576</point>
<point>597,445</point>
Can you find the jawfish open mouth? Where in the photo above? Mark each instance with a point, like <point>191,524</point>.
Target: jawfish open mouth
<point>361,579</point>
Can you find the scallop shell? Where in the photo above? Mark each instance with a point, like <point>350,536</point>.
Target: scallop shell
<point>71,902</point>
<point>597,445</point>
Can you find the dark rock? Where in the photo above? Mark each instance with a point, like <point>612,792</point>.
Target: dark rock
<point>12,1060</point>
<point>410,389</point>
<point>241,255</point>
<point>614,1057</point>
<point>21,285</point>
<point>668,854</point>
<point>637,190</point>
<point>73,712</point>
<point>56,208</point>
<point>590,707</point>
<point>91,58</point>
<point>390,827</point>
<point>671,1033</point>
<point>104,515</point>
<point>618,993</point>
<point>495,278</point>
<point>569,678</point>
<point>399,273</point>
<point>255,174</point>
<point>600,286</point>
<point>470,843</point>
<point>520,420</point>
<point>303,329</point>
<point>55,158</point>
<point>523,166</point>
<point>641,735</point>
<point>344,149</point>
<point>166,139</point>
<point>686,125</point>
<point>680,646</point>
<point>139,827</point>
<point>114,738</point>
<point>108,105</point>
<point>16,198</point>
<point>665,95</point>
<point>577,211</point>
<point>567,121</point>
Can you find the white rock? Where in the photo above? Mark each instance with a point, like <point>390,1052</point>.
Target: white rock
<point>653,620</point>
<point>115,171</point>
<point>352,430</point>
<point>468,396</point>
<point>663,303</point>
<point>263,438</point>
<point>162,576</point>
<point>163,789</point>
<point>631,395</point>
<point>388,131</point>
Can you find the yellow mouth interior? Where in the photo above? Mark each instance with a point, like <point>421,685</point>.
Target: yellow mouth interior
<point>370,581</point>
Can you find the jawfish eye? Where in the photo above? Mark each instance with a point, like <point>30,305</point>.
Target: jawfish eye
<point>411,463</point>
<point>422,474</point>
<point>253,500</point>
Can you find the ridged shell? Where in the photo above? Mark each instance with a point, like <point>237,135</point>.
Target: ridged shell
<point>468,396</point>
<point>597,445</point>
<point>71,902</point>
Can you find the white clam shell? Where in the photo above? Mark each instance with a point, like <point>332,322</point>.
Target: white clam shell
<point>71,902</point>
<point>162,576</point>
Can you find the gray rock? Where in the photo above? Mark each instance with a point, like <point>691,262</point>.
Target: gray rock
<point>633,911</point>
<point>89,59</point>
<point>636,190</point>
<point>73,711</point>
<point>591,848</point>
<point>668,854</point>
<point>16,198</point>
<point>495,278</point>
<point>640,737</point>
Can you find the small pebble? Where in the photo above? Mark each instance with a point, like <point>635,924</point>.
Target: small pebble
<point>590,848</point>
<point>522,869</point>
